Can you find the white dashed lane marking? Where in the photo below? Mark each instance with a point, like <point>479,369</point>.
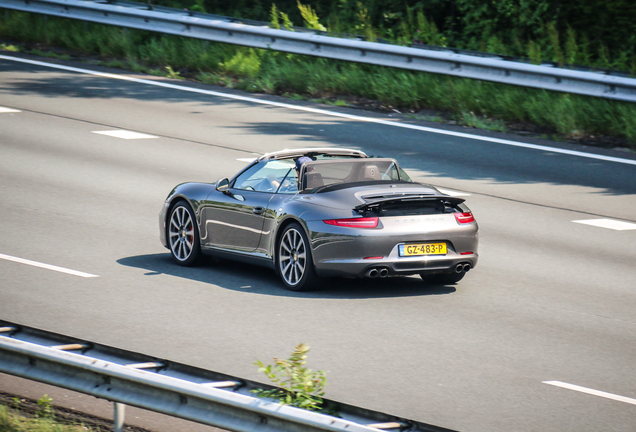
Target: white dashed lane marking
<point>246,159</point>
<point>608,223</point>
<point>124,134</point>
<point>8,110</point>
<point>47,266</point>
<point>591,391</point>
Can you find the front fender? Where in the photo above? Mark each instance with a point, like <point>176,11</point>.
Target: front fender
<point>193,193</point>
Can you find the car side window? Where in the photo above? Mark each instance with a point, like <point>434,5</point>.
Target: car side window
<point>289,184</point>
<point>266,176</point>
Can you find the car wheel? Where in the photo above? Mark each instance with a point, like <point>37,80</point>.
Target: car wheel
<point>294,263</point>
<point>442,278</point>
<point>183,235</point>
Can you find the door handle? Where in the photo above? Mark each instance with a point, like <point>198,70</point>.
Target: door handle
<point>258,210</point>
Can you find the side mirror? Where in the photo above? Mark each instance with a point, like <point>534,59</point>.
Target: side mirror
<point>223,185</point>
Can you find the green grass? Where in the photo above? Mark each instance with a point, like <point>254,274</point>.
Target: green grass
<point>294,96</point>
<point>471,120</point>
<point>12,48</point>
<point>331,101</point>
<point>472,103</point>
<point>11,421</point>
<point>429,118</point>
<point>48,54</point>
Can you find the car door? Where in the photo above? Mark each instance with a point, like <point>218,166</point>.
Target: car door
<point>287,190</point>
<point>234,220</point>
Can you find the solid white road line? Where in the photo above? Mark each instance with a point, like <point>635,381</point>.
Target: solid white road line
<point>246,159</point>
<point>326,112</point>
<point>591,391</point>
<point>124,134</point>
<point>8,110</point>
<point>608,223</point>
<point>47,266</point>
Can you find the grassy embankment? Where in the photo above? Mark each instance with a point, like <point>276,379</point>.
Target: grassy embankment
<point>13,421</point>
<point>424,96</point>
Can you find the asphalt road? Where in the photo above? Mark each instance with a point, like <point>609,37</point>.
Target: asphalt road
<point>551,299</point>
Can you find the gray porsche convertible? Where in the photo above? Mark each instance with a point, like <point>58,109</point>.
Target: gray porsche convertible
<point>311,213</point>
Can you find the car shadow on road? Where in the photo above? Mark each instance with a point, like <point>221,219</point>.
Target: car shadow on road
<point>258,280</point>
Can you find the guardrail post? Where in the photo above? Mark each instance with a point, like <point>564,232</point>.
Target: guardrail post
<point>119,417</point>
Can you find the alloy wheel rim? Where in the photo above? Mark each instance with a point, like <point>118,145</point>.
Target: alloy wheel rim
<point>292,257</point>
<point>181,233</point>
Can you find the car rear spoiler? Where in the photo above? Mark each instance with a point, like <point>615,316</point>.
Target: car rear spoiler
<point>375,201</point>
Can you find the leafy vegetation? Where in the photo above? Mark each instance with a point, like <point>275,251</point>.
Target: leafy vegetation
<point>600,33</point>
<point>46,409</point>
<point>467,102</point>
<point>299,386</point>
<point>12,421</point>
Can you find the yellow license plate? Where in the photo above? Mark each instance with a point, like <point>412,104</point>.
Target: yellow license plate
<point>423,249</point>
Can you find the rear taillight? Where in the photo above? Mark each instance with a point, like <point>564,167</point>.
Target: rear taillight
<point>464,218</point>
<point>365,222</point>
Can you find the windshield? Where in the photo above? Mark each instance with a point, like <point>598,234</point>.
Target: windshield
<point>269,176</point>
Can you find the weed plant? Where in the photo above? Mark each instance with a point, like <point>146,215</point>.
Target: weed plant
<point>46,409</point>
<point>470,102</point>
<point>298,386</point>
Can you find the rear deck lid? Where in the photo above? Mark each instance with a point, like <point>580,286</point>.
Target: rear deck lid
<point>424,201</point>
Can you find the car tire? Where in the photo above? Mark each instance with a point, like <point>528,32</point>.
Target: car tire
<point>294,262</point>
<point>183,235</point>
<point>442,278</point>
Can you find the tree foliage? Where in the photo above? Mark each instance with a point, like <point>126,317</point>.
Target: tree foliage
<point>599,33</point>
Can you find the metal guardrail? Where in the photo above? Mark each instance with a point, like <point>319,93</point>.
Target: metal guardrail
<point>172,388</point>
<point>222,29</point>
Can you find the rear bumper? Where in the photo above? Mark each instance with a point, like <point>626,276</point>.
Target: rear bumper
<point>395,266</point>
<point>336,252</point>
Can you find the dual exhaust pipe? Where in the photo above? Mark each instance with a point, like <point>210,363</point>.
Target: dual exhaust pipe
<point>462,267</point>
<point>383,272</point>
<point>380,272</point>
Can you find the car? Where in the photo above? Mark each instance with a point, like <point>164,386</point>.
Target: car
<point>323,212</point>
